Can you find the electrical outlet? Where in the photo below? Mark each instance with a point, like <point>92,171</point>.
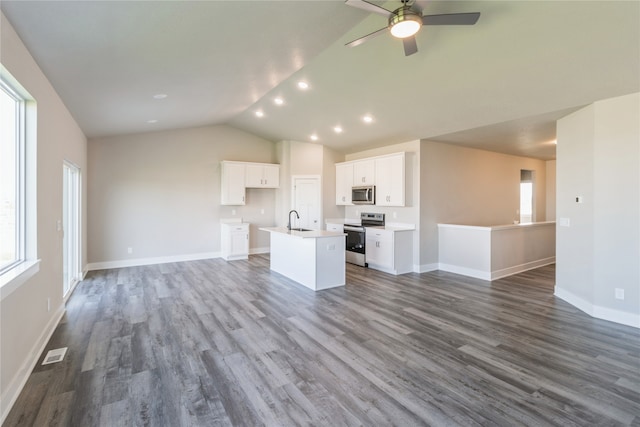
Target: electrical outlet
<point>395,215</point>
<point>331,247</point>
<point>233,211</point>
<point>129,251</point>
<point>262,211</point>
<point>619,293</point>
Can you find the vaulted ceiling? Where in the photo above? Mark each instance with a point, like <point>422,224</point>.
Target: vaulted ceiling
<point>499,85</point>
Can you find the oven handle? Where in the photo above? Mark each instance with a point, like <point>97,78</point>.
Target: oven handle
<point>349,228</point>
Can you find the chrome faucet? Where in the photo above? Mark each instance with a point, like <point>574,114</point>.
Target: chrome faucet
<point>289,223</point>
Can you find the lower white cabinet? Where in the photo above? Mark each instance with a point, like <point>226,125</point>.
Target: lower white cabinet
<point>338,228</point>
<point>389,250</point>
<point>235,240</point>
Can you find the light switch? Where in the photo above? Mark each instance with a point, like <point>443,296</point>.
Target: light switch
<point>564,222</point>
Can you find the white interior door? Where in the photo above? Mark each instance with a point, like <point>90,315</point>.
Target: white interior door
<point>70,227</point>
<point>307,201</point>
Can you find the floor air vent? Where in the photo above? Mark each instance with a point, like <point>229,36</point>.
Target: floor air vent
<point>54,356</point>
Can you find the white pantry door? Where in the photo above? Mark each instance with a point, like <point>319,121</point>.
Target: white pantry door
<point>307,201</point>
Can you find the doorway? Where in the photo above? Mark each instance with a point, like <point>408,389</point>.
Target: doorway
<point>307,201</point>
<point>527,200</point>
<point>71,274</point>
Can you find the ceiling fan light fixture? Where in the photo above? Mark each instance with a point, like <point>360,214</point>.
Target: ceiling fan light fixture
<point>404,23</point>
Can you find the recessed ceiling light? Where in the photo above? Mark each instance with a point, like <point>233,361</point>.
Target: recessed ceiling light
<point>278,101</point>
<point>160,96</point>
<point>152,121</point>
<point>337,129</point>
<point>303,85</point>
<point>259,113</point>
<point>367,119</point>
<point>314,137</point>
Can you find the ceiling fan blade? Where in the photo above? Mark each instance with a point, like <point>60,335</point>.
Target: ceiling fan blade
<point>358,42</point>
<point>451,19</point>
<point>369,7</point>
<point>410,45</point>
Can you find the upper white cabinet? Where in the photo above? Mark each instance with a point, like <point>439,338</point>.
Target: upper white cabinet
<point>390,180</point>
<point>386,172</point>
<point>344,182</point>
<point>262,175</point>
<point>232,191</point>
<point>364,172</point>
<point>237,176</point>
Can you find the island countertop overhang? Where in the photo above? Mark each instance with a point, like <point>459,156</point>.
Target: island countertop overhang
<point>311,234</point>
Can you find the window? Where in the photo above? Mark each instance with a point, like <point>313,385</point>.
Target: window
<point>12,148</point>
<point>18,252</point>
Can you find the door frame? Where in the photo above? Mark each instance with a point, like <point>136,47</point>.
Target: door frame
<point>318,179</point>
<point>74,277</point>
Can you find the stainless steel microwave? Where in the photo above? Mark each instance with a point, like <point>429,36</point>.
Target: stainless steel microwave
<point>363,195</point>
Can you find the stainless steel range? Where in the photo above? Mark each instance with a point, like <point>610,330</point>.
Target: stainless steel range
<point>356,237</point>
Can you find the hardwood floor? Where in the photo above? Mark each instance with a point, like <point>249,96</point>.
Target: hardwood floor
<point>214,343</point>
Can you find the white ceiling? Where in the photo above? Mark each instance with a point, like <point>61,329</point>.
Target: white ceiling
<point>498,85</point>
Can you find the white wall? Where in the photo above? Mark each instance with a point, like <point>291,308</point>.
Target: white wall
<point>24,320</point>
<point>159,193</point>
<point>471,187</point>
<point>598,158</point>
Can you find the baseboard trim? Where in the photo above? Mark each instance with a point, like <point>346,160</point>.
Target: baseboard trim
<point>17,383</point>
<point>150,261</point>
<point>478,274</point>
<point>498,274</point>
<point>425,268</point>
<point>597,311</point>
<point>104,265</point>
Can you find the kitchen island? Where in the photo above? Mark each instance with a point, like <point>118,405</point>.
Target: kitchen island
<point>313,258</point>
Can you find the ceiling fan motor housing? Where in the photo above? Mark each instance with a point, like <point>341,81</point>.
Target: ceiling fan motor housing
<point>404,22</point>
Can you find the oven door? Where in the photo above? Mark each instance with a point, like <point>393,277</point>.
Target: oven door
<point>355,245</point>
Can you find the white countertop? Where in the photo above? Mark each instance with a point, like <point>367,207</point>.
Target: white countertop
<point>390,226</point>
<point>312,234</point>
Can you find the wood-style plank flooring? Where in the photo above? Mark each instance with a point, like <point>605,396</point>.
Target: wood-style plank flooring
<point>209,343</point>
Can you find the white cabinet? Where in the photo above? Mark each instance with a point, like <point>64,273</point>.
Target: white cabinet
<point>364,172</point>
<point>232,191</point>
<point>379,248</point>
<point>390,180</point>
<point>344,182</point>
<point>338,228</point>
<point>389,251</point>
<point>387,173</point>
<point>262,175</point>
<point>235,240</point>
<point>237,176</point>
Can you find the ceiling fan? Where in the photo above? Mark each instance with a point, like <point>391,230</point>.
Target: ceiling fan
<point>406,21</point>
